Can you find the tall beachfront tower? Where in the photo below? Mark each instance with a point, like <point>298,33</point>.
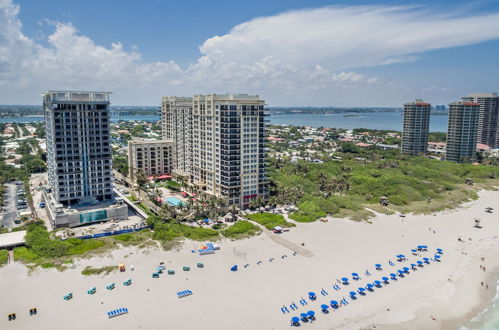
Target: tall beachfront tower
<point>416,128</point>
<point>176,126</point>
<point>220,144</point>
<point>462,131</point>
<point>78,146</point>
<point>488,121</point>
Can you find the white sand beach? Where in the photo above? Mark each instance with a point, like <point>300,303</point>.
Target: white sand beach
<point>251,298</point>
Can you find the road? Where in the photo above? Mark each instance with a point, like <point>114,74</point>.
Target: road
<point>10,213</point>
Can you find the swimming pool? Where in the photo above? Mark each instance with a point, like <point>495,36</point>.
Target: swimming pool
<point>174,201</point>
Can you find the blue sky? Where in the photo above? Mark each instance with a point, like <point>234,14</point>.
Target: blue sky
<point>355,53</point>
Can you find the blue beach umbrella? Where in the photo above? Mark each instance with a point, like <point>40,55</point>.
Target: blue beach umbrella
<point>344,279</point>
<point>355,275</point>
<point>414,250</point>
<point>361,290</point>
<point>419,262</point>
<point>437,256</point>
<point>311,313</point>
<point>406,269</point>
<point>295,319</point>
<point>400,271</point>
<point>413,265</point>
<point>324,306</point>
<point>440,251</point>
<point>385,279</point>
<point>304,315</point>
<point>378,266</point>
<point>334,303</point>
<point>352,293</point>
<point>378,283</point>
<point>311,294</point>
<point>369,286</point>
<point>393,275</point>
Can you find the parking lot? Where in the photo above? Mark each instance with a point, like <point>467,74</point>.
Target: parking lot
<point>14,201</point>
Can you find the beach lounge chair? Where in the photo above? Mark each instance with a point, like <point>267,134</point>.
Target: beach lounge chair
<point>184,293</point>
<point>33,311</point>
<point>286,309</point>
<point>68,296</point>
<point>117,312</point>
<point>92,290</point>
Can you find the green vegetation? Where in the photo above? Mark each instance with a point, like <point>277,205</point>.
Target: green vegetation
<point>120,164</point>
<point>42,249</point>
<point>89,270</point>
<point>135,238</point>
<point>437,137</point>
<point>4,257</point>
<point>167,233</point>
<point>270,220</point>
<point>241,229</point>
<point>346,188</point>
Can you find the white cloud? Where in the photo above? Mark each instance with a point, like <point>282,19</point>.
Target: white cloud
<point>297,57</point>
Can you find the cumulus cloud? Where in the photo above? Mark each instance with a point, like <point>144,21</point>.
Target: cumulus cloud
<point>300,57</point>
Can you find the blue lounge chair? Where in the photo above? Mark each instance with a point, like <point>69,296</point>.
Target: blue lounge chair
<point>184,293</point>
<point>117,312</point>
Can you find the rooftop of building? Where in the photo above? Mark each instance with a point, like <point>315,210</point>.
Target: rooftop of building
<point>139,141</point>
<point>12,239</point>
<point>464,103</point>
<point>419,102</point>
<point>76,96</point>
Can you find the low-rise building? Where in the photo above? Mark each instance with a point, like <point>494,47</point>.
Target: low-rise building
<point>153,157</point>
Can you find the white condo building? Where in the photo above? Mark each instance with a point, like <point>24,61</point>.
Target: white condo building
<point>219,144</point>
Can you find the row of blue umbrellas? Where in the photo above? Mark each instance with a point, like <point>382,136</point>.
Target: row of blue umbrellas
<point>369,286</point>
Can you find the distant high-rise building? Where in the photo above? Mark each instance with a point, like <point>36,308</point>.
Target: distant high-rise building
<point>416,127</point>
<point>79,158</point>
<point>440,108</point>
<point>219,144</point>
<point>488,121</point>
<point>462,131</point>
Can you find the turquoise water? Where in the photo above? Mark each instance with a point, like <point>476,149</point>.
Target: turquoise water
<point>371,120</point>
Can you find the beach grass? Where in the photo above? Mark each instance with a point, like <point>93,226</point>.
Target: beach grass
<point>135,238</point>
<point>270,220</point>
<point>241,229</point>
<point>4,257</point>
<point>170,233</point>
<point>412,185</point>
<point>89,270</point>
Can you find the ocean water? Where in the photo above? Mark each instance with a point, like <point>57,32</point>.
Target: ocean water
<point>488,319</point>
<point>371,120</point>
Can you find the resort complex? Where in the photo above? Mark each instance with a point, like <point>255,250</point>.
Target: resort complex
<point>241,166</point>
